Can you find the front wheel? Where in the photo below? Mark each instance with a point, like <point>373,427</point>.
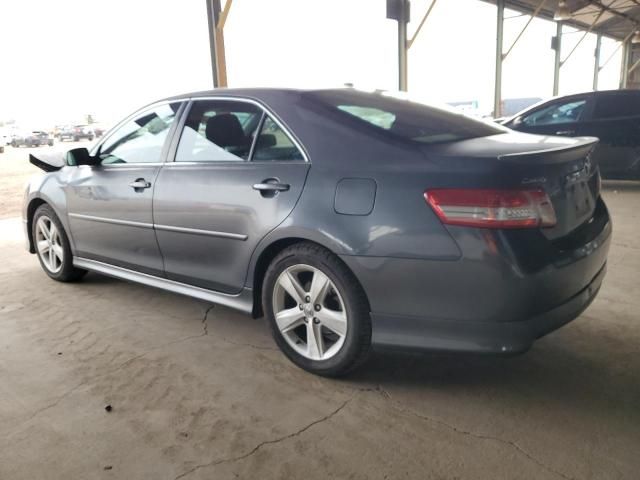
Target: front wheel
<point>52,246</point>
<point>317,310</point>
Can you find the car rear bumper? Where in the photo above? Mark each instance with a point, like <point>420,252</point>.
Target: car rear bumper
<point>506,290</point>
<point>403,332</point>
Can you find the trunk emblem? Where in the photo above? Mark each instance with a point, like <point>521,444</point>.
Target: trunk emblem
<point>529,181</point>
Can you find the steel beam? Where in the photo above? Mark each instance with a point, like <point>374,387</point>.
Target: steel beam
<point>624,65</point>
<point>596,62</point>
<point>497,95</point>
<point>424,19</point>
<point>632,68</point>
<point>533,15</point>
<point>402,47</point>
<point>212,42</point>
<point>557,61</point>
<point>613,54</point>
<point>584,35</point>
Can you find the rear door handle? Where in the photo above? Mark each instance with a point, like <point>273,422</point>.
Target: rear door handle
<point>140,184</point>
<point>271,187</point>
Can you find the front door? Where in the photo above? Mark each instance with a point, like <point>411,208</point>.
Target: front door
<point>237,175</point>
<point>110,205</point>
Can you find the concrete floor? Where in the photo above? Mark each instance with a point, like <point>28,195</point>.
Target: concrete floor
<point>201,392</point>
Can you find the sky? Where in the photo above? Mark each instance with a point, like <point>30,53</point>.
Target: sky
<point>64,59</point>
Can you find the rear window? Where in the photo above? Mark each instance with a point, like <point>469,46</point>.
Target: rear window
<point>619,105</point>
<point>401,118</point>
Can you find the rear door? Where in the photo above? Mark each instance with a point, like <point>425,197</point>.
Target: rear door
<point>110,205</point>
<point>237,174</point>
<point>615,120</point>
<point>559,117</point>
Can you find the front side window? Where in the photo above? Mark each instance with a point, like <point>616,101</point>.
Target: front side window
<point>218,131</point>
<point>140,140</point>
<point>557,113</point>
<point>273,144</point>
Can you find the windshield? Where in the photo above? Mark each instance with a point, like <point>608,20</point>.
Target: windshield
<point>402,118</point>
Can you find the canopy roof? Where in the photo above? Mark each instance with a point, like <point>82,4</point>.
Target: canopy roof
<point>611,18</point>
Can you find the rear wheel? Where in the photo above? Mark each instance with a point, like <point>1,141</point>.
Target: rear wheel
<point>52,246</point>
<point>317,310</point>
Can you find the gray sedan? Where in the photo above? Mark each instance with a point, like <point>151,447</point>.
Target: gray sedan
<point>347,219</point>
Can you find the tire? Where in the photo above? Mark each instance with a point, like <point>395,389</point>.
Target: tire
<point>60,269</point>
<point>339,315</point>
<point>76,139</point>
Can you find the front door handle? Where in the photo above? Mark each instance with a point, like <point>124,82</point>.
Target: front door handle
<point>140,184</point>
<point>566,132</point>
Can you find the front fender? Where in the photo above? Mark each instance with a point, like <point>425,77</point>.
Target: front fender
<point>49,189</point>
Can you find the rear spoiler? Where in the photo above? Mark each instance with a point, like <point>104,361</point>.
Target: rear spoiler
<point>49,162</point>
<point>583,147</point>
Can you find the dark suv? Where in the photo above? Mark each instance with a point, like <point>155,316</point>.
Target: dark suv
<point>612,116</point>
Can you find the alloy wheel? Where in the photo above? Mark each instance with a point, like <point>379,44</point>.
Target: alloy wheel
<point>310,312</point>
<point>49,244</point>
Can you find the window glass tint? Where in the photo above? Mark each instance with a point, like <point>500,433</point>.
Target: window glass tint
<point>557,113</point>
<point>274,144</point>
<point>218,131</point>
<point>140,140</point>
<point>401,118</point>
<point>621,105</point>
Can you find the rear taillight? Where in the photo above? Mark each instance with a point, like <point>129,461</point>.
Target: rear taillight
<point>492,208</point>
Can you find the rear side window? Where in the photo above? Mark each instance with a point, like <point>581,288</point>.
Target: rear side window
<point>557,113</point>
<point>401,118</point>
<point>218,131</point>
<point>273,144</point>
<point>612,106</point>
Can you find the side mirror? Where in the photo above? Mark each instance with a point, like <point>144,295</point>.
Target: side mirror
<point>517,122</point>
<point>80,156</point>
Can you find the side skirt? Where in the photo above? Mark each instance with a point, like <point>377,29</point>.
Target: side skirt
<point>242,301</point>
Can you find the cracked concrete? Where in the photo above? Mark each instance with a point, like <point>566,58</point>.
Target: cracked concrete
<point>265,443</point>
<point>199,391</point>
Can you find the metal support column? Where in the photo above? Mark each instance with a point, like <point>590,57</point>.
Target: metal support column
<point>216,20</point>
<point>212,40</point>
<point>624,64</point>
<point>596,64</point>
<point>402,46</point>
<point>557,46</point>
<point>497,95</point>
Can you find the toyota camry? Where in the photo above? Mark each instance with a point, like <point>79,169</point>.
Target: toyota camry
<point>348,219</point>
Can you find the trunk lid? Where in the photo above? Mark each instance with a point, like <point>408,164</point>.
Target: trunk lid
<point>568,175</point>
<point>562,167</point>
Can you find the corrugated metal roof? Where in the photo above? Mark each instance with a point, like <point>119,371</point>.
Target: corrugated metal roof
<point>612,18</point>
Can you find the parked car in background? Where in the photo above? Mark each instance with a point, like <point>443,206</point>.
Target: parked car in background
<point>612,116</point>
<point>76,133</point>
<point>5,139</point>
<point>345,218</point>
<point>98,129</point>
<point>33,138</point>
